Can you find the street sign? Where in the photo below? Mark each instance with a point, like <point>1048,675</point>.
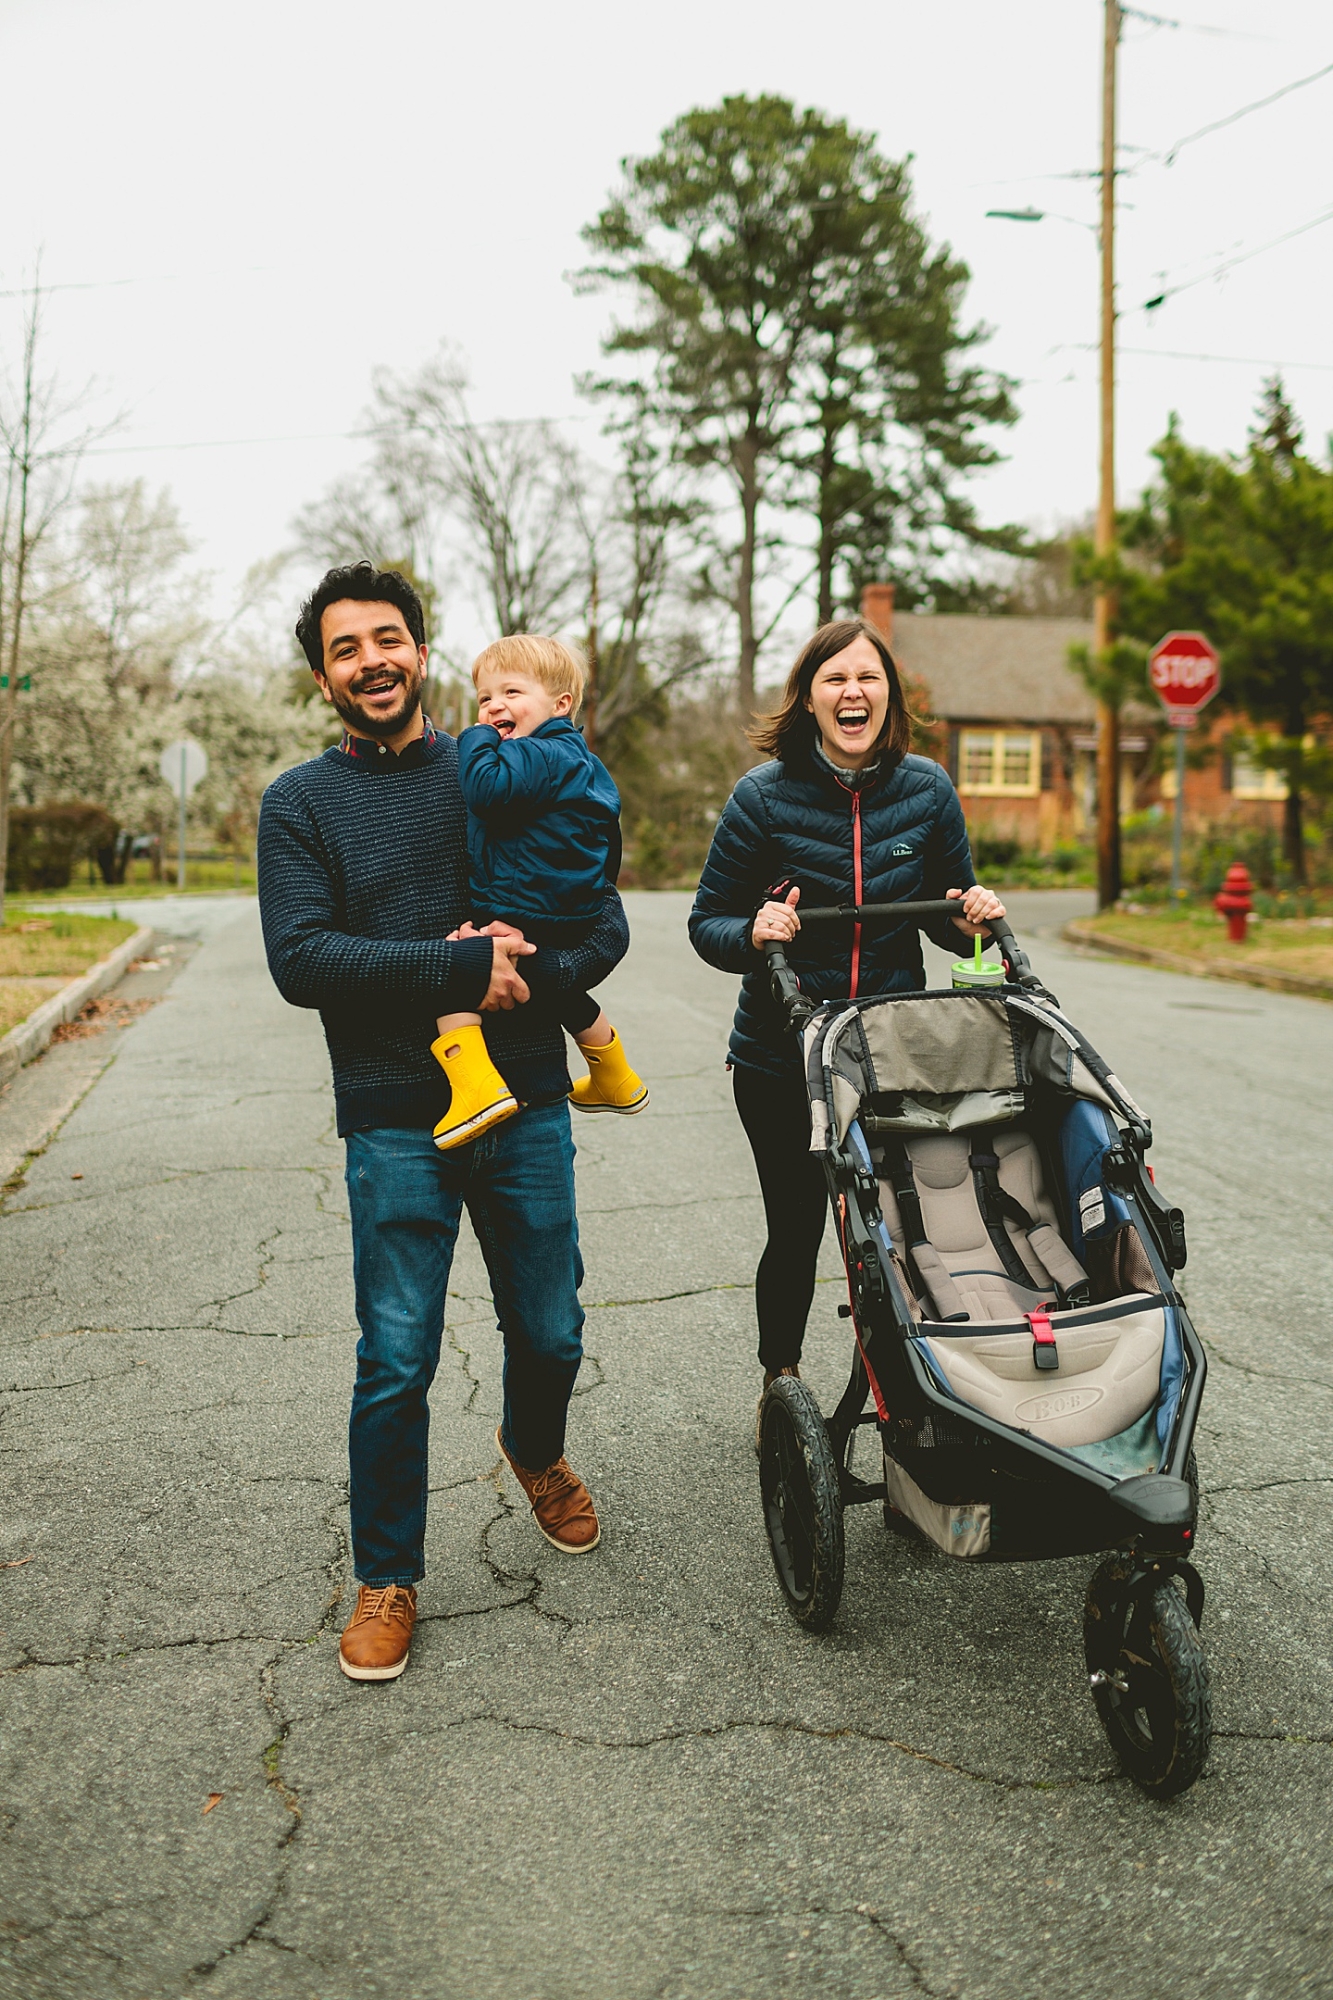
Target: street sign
<point>1185,669</point>
<point>184,765</point>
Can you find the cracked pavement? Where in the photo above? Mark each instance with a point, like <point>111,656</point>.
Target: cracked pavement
<point>630,1778</point>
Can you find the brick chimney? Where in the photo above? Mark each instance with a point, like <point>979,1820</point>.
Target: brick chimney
<point>877,608</point>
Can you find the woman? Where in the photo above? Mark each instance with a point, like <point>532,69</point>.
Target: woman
<point>843,814</point>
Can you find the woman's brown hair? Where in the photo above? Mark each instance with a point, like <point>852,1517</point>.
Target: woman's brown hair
<point>789,733</point>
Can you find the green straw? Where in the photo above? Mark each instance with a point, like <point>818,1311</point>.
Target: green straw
<point>977,958</point>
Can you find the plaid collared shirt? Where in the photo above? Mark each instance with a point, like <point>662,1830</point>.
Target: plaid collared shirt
<point>363,746</point>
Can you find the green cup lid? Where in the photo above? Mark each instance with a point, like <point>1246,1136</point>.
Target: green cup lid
<point>971,972</point>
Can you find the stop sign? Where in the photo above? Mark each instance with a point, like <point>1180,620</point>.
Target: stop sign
<point>1185,670</point>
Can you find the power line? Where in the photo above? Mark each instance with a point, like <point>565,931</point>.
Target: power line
<point>1176,354</point>
<point>1192,27</point>
<point>323,437</point>
<point>1187,284</point>
<point>1148,156</point>
<point>144,278</point>
<point>1219,124</point>
<point>217,444</point>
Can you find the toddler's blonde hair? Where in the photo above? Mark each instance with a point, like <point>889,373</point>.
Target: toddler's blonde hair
<point>549,662</point>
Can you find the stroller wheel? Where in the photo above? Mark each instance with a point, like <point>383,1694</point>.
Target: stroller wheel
<point>798,1478</point>
<point>1149,1677</point>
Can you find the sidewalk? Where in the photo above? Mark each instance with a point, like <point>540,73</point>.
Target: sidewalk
<point>631,1776</point>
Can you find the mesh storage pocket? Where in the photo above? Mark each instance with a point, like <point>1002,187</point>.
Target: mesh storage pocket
<point>958,1529</point>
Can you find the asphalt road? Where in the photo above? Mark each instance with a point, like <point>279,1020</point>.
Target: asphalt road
<point>628,1777</point>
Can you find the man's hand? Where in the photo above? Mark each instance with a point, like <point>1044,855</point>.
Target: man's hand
<point>978,905</point>
<point>508,989</point>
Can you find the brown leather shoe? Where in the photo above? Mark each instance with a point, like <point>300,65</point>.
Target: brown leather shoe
<point>561,1505</point>
<point>374,1643</point>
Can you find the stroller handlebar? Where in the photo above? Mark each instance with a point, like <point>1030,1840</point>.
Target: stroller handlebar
<point>786,987</point>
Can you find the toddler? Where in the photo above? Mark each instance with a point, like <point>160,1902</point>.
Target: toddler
<point>543,843</point>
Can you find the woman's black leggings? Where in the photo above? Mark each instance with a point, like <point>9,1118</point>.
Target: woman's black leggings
<point>775,1112</point>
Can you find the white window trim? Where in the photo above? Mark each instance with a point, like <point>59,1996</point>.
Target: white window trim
<point>998,738</point>
<point>1257,782</point>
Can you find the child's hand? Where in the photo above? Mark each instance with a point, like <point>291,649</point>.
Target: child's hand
<point>507,989</point>
<point>497,929</point>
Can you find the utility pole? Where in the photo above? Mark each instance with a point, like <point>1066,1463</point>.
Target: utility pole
<point>1103,610</point>
<point>590,690</point>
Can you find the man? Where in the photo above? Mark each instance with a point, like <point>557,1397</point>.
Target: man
<point>363,894</point>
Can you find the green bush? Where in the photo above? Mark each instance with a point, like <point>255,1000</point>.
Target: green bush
<point>993,853</point>
<point>675,775</point>
<point>46,841</point>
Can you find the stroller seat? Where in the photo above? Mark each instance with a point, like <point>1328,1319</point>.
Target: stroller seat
<point>973,1210</point>
<point>969,1214</point>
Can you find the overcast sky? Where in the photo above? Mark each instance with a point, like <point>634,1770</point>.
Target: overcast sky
<point>267,200</point>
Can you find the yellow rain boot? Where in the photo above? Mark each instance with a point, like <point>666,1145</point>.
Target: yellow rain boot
<point>610,1085</point>
<point>481,1097</point>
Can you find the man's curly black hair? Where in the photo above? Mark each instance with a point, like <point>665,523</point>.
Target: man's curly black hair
<point>365,584</point>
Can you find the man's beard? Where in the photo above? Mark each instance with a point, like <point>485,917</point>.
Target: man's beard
<point>372,724</point>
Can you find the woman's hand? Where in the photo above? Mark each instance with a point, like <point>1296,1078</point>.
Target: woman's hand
<point>776,923</point>
<point>978,906</point>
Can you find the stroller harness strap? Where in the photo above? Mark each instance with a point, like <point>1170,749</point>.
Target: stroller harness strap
<point>997,1206</point>
<point>931,1270</point>
<point>1045,1353</point>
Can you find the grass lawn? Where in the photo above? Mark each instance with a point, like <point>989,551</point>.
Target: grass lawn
<point>1288,944</point>
<point>40,953</point>
<point>222,877</point>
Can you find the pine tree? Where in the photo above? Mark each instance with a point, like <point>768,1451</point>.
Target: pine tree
<point>796,335</point>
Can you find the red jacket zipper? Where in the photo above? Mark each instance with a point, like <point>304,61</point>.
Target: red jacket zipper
<point>856,884</point>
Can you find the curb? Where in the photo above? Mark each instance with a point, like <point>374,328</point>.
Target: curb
<point>30,1037</point>
<point>1309,984</point>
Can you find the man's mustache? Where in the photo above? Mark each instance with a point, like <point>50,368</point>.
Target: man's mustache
<point>389,677</point>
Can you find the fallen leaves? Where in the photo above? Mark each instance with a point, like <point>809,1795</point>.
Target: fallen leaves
<point>99,1015</point>
<point>214,1799</point>
<point>18,1562</point>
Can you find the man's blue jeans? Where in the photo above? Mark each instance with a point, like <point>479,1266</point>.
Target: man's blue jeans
<point>517,1182</point>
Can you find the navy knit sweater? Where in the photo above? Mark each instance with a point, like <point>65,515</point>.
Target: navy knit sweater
<point>362,875</point>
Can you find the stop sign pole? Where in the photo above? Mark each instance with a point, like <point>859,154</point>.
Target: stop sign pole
<point>1186,672</point>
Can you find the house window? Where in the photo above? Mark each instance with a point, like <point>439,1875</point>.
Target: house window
<point>1255,781</point>
<point>1000,763</point>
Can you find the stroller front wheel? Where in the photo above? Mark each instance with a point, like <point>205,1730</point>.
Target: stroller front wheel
<point>1149,1677</point>
<point>798,1480</point>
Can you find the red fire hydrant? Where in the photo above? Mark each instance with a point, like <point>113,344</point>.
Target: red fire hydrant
<point>1233,901</point>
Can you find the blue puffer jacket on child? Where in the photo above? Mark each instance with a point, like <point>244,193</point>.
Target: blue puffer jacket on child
<point>543,823</point>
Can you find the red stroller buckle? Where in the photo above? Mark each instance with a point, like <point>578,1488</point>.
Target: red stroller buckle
<point>1045,1353</point>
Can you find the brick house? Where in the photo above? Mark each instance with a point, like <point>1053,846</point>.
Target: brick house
<point>1016,728</point>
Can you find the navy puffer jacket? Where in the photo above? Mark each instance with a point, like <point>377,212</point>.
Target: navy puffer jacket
<point>891,835</point>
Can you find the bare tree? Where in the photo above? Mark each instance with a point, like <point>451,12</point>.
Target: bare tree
<point>41,459</point>
<point>514,490</point>
<point>635,543</point>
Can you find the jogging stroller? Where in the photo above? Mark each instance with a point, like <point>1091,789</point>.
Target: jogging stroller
<point>1028,1363</point>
